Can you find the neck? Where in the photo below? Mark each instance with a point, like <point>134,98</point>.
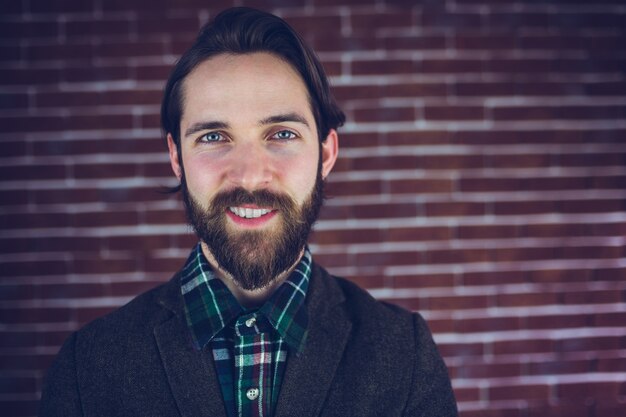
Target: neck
<point>248,299</point>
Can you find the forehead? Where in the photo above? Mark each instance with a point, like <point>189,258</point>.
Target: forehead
<point>231,86</point>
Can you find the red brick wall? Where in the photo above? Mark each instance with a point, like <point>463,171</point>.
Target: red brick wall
<point>480,181</point>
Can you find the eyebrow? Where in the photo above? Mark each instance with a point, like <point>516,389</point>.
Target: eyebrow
<point>200,126</point>
<point>282,118</point>
<point>215,125</point>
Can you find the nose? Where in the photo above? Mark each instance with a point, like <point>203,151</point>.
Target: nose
<point>250,168</point>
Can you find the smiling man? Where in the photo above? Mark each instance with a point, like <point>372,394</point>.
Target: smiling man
<point>250,325</point>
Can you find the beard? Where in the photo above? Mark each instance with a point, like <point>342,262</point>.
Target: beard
<point>254,258</point>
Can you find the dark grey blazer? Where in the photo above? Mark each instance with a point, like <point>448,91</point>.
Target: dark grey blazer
<point>362,358</point>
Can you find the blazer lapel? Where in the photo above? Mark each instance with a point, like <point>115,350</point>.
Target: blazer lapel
<point>308,376</point>
<point>190,372</point>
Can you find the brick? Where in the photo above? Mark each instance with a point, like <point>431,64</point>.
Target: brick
<point>423,281</point>
<point>557,275</point>
<point>408,234</point>
<point>493,278</point>
<point>33,172</point>
<point>464,394</point>
<point>523,346</point>
<point>557,367</point>
<point>387,66</point>
<point>314,23</point>
<point>32,269</point>
<point>513,392</point>
<point>461,350</point>
<point>42,6</point>
<point>104,219</point>
<point>54,244</point>
<point>588,390</point>
<point>29,76</point>
<point>384,163</point>
<point>386,258</point>
<point>592,297</point>
<point>385,114</point>
<point>487,324</point>
<point>501,411</point>
<point>450,66</point>
<point>526,299</point>
<point>415,89</point>
<point>420,186</point>
<point>611,364</point>
<point>451,112</point>
<point>562,410</point>
<point>422,42</point>
<point>81,28</point>
<point>132,288</point>
<point>35,315</point>
<point>505,40</point>
<point>609,319</point>
<point>104,266</point>
<point>16,339</point>
<point>557,321</point>
<point>13,101</point>
<point>597,343</point>
<point>416,138</point>
<point>371,22</point>
<point>454,209</point>
<point>381,211</point>
<point>335,42</point>
<point>158,22</point>
<point>29,29</point>
<point>487,232</point>
<point>92,73</point>
<point>164,216</point>
<point>338,188</point>
<point>59,51</point>
<point>457,303</point>
<point>152,72</point>
<point>141,243</point>
<point>72,290</point>
<point>98,171</point>
<point>483,88</point>
<point>484,370</point>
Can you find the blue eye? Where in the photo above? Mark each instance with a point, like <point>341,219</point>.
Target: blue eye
<point>284,135</point>
<point>211,137</point>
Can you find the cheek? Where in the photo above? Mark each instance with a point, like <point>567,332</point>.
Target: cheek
<point>299,174</point>
<point>202,174</point>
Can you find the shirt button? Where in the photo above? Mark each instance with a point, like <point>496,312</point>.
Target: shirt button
<point>251,322</point>
<point>252,394</point>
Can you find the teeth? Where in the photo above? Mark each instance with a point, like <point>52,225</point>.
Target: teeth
<point>248,213</point>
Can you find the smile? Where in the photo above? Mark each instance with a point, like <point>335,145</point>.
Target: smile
<point>248,213</point>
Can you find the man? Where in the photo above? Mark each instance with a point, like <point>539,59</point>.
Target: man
<point>251,326</point>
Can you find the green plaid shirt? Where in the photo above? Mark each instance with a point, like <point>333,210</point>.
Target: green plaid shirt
<point>249,346</point>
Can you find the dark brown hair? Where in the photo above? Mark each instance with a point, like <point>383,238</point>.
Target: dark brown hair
<point>243,30</point>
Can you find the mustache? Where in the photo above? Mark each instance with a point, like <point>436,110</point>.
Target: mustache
<point>262,198</point>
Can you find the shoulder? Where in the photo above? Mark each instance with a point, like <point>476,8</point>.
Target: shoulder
<point>389,324</point>
<point>130,323</point>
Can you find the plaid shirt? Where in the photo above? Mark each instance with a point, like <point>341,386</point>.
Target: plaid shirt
<point>249,346</point>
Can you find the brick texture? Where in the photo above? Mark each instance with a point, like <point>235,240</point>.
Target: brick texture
<point>481,181</point>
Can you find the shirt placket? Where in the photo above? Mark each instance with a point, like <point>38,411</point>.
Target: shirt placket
<point>253,366</point>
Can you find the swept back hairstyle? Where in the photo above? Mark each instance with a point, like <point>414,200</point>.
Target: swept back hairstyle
<point>243,30</point>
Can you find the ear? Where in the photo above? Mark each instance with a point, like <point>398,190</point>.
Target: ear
<point>330,149</point>
<point>174,161</point>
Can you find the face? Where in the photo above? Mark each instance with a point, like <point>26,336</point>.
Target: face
<point>253,164</point>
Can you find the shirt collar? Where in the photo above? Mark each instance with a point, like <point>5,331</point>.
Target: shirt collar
<point>210,306</point>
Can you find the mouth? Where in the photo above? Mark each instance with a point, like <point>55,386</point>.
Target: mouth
<point>249,213</point>
<point>250,216</point>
